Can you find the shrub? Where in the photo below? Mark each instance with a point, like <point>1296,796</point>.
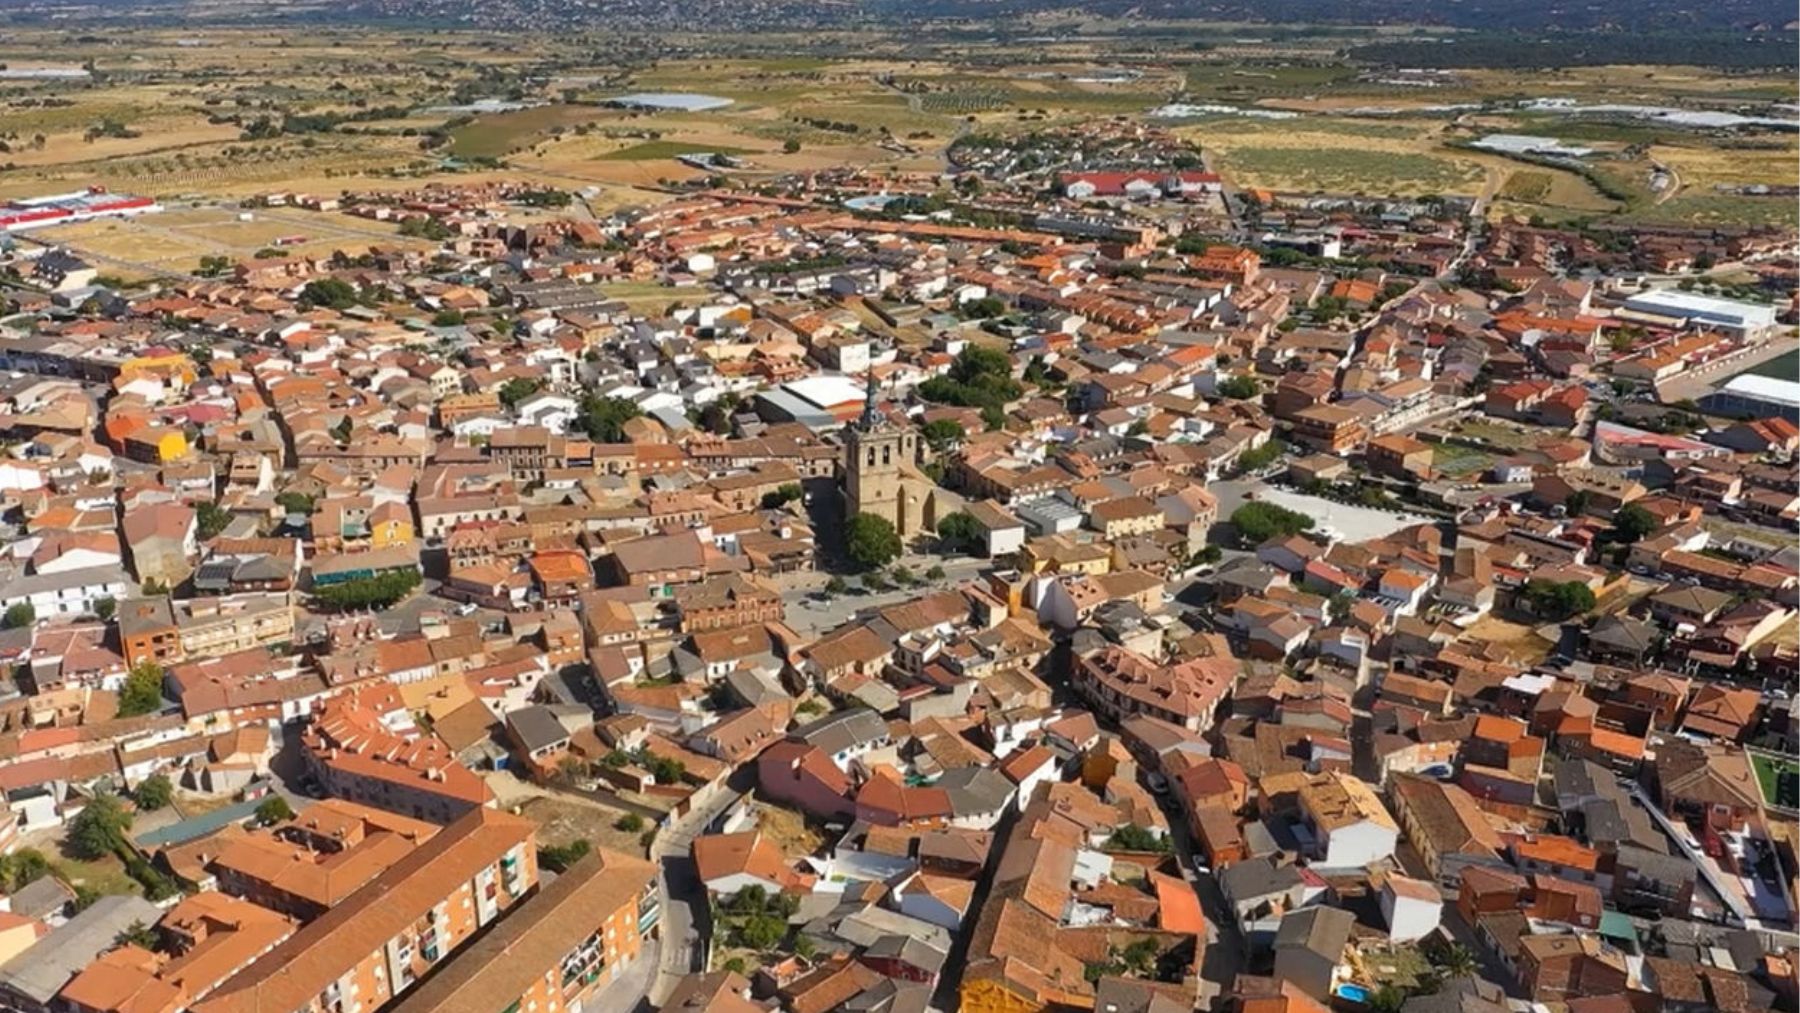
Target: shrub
<point>154,792</point>
<point>1258,522</point>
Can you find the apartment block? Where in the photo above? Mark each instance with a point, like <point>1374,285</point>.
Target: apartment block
<point>382,939</point>
<point>559,949</point>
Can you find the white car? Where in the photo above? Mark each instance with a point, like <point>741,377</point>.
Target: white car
<point>466,608</point>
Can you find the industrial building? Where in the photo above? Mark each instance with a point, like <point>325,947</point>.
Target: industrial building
<point>1756,396</point>
<point>1739,319</point>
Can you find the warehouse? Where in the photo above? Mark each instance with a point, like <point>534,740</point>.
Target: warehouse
<point>1739,319</point>
<point>1755,396</point>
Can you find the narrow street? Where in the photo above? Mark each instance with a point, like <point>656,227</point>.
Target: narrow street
<point>1222,960</point>
<point>685,915</point>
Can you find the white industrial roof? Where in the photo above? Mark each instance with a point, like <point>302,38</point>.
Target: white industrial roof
<point>1678,303</point>
<point>827,391</point>
<point>1768,388</point>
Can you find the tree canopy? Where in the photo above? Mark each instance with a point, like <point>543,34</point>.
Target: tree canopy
<point>1259,521</point>
<point>603,418</point>
<point>378,591</point>
<point>331,293</point>
<point>154,792</point>
<point>143,690</point>
<point>872,541</point>
<point>1632,523</point>
<point>942,434</point>
<point>99,829</point>
<point>960,531</point>
<point>1559,600</point>
<point>1239,387</point>
<point>274,809</point>
<point>979,378</point>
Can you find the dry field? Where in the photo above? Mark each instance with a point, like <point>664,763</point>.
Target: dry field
<point>175,240</point>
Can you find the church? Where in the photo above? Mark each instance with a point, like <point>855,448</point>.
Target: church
<point>881,473</point>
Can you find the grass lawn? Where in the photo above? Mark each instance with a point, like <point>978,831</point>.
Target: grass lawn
<point>1399,966</point>
<point>1460,461</point>
<point>1768,776</point>
<point>1499,435</point>
<point>653,150</point>
<point>103,875</point>
<point>644,296</point>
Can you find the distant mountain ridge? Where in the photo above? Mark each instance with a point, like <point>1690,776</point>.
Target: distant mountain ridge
<point>1529,16</point>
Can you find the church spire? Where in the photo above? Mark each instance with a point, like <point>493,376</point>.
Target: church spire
<point>871,417</point>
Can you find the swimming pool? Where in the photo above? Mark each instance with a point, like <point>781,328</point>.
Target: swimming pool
<point>1352,992</point>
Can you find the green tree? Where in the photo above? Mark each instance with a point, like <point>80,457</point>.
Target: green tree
<point>331,293</point>
<point>630,823</point>
<point>782,495</point>
<point>19,616</point>
<point>210,519</point>
<point>22,868</point>
<point>960,531</point>
<point>447,317</point>
<point>1260,521</point>
<point>979,378</point>
<point>1559,600</point>
<point>1241,387</point>
<point>517,389</point>
<point>1209,554</point>
<point>296,502</point>
<point>790,145</point>
<point>1577,502</point>
<point>665,769</point>
<point>942,434</point>
<point>762,931</point>
<point>1139,957</point>
<point>99,829</point>
<point>378,591</point>
<point>137,934</point>
<point>154,792</point>
<point>1261,457</point>
<point>1457,961</point>
<point>559,857</point>
<point>1132,837</point>
<point>274,809</point>
<point>873,542</point>
<point>1632,523</point>
<point>603,418</point>
<point>836,586</point>
<point>105,608</point>
<point>1387,999</point>
<point>143,690</point>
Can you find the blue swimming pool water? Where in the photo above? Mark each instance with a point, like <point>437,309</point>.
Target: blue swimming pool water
<point>1354,993</point>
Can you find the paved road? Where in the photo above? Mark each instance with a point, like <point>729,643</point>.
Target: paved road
<point>1732,894</point>
<point>1699,381</point>
<point>628,993</point>
<point>1223,959</point>
<point>808,615</point>
<point>685,911</point>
